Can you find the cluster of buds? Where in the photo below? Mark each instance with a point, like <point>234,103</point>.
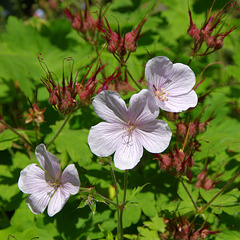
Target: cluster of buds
<point>211,33</point>
<point>188,132</point>
<point>194,128</point>
<point>204,181</point>
<point>181,229</point>
<point>87,88</point>
<point>84,23</point>
<point>118,45</point>
<point>35,114</point>
<point>176,163</point>
<point>61,97</point>
<point>122,46</point>
<point>71,95</point>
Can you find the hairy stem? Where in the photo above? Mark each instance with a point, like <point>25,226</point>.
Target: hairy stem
<point>124,200</point>
<point>59,130</point>
<point>189,194</point>
<point>139,87</point>
<point>119,226</point>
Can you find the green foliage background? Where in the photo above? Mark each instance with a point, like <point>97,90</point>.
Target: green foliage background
<point>164,34</point>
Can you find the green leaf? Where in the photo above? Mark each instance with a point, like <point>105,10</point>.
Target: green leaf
<point>227,202</point>
<point>147,203</point>
<point>7,138</point>
<point>156,224</point>
<point>131,214</point>
<point>135,191</point>
<point>74,142</point>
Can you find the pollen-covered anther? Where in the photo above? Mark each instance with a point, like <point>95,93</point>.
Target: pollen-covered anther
<point>161,95</point>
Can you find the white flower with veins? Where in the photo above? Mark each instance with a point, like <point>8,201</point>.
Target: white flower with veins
<point>49,186</point>
<point>171,84</point>
<point>127,130</point>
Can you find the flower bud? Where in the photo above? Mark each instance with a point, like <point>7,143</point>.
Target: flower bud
<point>219,43</point>
<point>130,42</point>
<point>114,43</point>
<point>211,42</point>
<point>181,129</point>
<point>194,32</point>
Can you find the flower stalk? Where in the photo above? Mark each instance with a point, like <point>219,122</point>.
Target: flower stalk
<point>189,194</point>
<point>124,200</point>
<point>59,130</point>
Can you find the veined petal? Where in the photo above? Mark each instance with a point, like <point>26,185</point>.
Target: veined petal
<point>70,179</point>
<point>157,72</point>
<point>128,154</point>
<point>32,179</point>
<point>142,107</point>
<point>48,161</point>
<point>105,137</point>
<point>57,201</point>
<point>38,201</point>
<point>109,106</point>
<point>155,136</point>
<point>180,103</point>
<point>182,80</point>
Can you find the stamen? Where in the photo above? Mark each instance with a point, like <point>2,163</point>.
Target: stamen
<point>161,95</point>
<point>127,137</point>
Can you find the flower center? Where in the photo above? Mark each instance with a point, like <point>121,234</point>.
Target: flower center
<point>161,95</point>
<point>54,184</point>
<point>127,137</point>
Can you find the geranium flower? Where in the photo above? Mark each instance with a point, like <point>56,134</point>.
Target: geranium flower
<point>171,84</point>
<point>127,130</point>
<point>48,187</point>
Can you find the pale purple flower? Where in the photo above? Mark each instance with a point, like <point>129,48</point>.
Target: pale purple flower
<point>171,84</point>
<point>49,186</point>
<point>127,130</point>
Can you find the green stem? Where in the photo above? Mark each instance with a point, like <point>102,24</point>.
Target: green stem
<point>21,136</point>
<point>59,130</point>
<point>139,87</point>
<point>210,202</point>
<point>124,200</point>
<point>36,132</point>
<point>119,229</point>
<point>189,194</point>
<point>190,60</point>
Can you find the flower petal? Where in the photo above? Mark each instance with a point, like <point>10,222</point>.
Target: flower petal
<point>32,179</point>
<point>48,161</point>
<point>182,80</point>
<point>155,136</point>
<point>142,107</point>
<point>128,154</point>
<point>109,106</point>
<point>57,201</point>
<point>38,201</point>
<point>104,138</point>
<point>180,103</point>
<point>70,179</point>
<point>157,72</point>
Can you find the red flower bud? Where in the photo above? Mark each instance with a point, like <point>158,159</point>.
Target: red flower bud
<point>211,42</point>
<point>130,42</point>
<point>219,43</point>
